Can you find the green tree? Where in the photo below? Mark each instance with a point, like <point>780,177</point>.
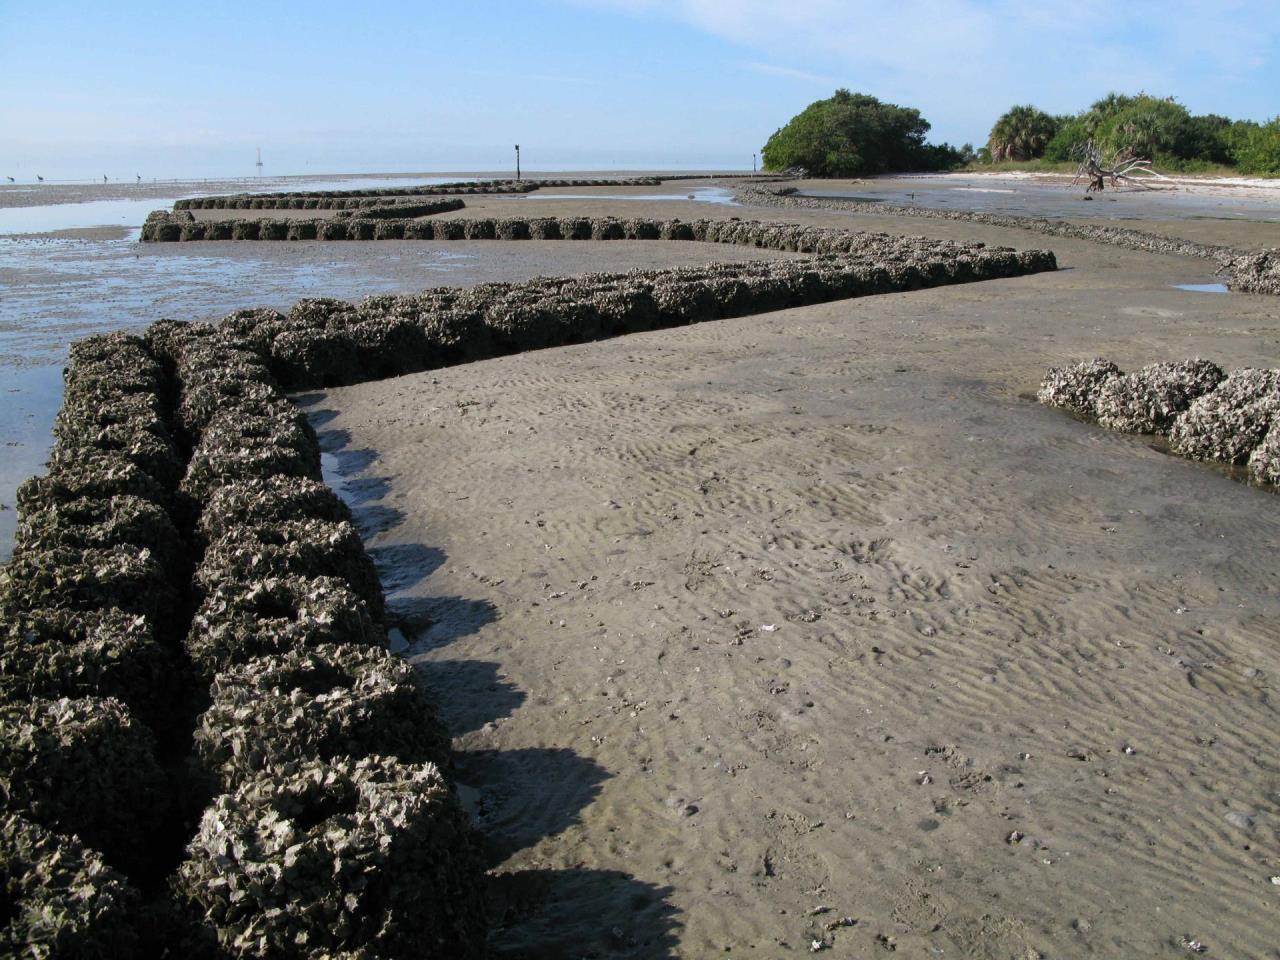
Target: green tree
<point>1143,125</point>
<point>1103,110</point>
<point>1163,130</point>
<point>1149,126</point>
<point>1022,133</point>
<point>1255,147</point>
<point>1208,138</point>
<point>852,134</point>
<point>1073,134</point>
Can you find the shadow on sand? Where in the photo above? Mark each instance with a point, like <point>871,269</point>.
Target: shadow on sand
<point>515,797</point>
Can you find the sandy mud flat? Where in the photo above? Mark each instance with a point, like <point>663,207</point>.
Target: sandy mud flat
<point>809,631</point>
<point>813,631</point>
<point>1057,195</point>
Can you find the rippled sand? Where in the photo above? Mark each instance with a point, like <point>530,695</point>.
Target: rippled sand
<point>813,627</point>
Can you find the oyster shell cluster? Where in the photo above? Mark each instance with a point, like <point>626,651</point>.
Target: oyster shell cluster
<point>63,900</point>
<point>1151,399</point>
<point>1207,414</point>
<point>1245,271</point>
<point>377,196</point>
<point>265,549</point>
<point>288,630</point>
<point>317,703</point>
<point>90,607</point>
<point>1255,272</point>
<point>315,858</point>
<point>330,342</point>
<point>273,499</point>
<point>52,654</point>
<point>84,766</point>
<point>181,475</point>
<point>400,209</point>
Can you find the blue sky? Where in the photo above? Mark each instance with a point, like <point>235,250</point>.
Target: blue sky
<point>177,89</point>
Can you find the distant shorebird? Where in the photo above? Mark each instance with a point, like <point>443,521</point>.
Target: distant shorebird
<point>40,178</point>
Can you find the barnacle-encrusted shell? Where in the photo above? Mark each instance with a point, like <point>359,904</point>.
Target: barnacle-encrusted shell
<point>62,901</point>
<point>1077,387</point>
<point>324,856</point>
<point>1149,400</point>
<point>84,767</point>
<point>316,704</point>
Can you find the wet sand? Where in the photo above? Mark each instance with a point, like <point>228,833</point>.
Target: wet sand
<point>1060,195</point>
<point>812,627</point>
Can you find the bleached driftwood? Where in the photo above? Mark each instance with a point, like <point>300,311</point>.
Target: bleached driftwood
<point>1098,168</point>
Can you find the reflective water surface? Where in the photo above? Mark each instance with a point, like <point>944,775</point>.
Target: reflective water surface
<point>54,291</point>
<point>47,218</point>
<point>1202,287</point>
<point>706,195</point>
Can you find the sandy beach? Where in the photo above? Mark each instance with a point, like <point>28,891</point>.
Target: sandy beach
<point>813,631</point>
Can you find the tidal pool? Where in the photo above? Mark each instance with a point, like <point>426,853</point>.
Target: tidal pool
<point>706,195</point>
<point>1202,287</point>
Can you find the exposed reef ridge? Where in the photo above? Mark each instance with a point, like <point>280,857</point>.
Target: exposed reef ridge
<point>354,199</point>
<point>1245,271</point>
<point>375,196</point>
<point>1207,414</point>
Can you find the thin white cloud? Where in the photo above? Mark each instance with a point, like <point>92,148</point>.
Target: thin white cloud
<point>790,73</point>
<point>959,59</point>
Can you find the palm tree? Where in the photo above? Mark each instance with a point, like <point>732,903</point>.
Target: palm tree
<point>1021,133</point>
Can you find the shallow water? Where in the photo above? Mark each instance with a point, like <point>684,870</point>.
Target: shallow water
<point>30,396</point>
<point>708,195</point>
<point>76,216</point>
<point>57,291</point>
<point>1041,199</point>
<point>1202,287</point>
<point>50,217</point>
